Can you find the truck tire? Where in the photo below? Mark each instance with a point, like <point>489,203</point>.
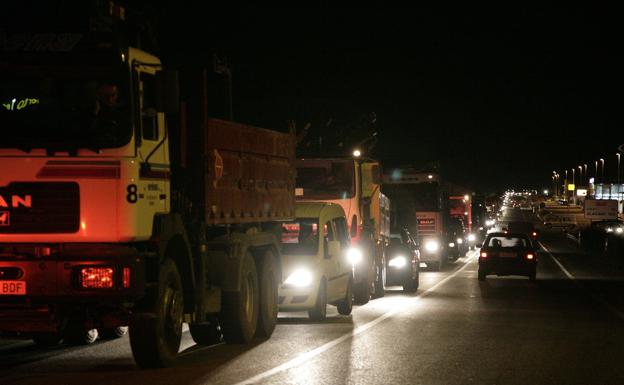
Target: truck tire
<point>155,338</point>
<point>113,333</point>
<point>380,281</point>
<point>319,312</point>
<point>345,306</point>
<point>361,293</point>
<point>267,317</point>
<point>208,333</point>
<point>240,309</point>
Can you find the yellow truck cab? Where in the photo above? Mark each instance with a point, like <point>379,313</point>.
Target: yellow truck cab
<point>314,261</point>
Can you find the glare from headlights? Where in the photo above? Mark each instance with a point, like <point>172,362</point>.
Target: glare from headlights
<point>460,241</point>
<point>619,230</point>
<point>299,278</point>
<point>398,261</point>
<point>452,244</point>
<point>609,230</point>
<point>354,255</point>
<point>431,246</point>
<point>471,237</point>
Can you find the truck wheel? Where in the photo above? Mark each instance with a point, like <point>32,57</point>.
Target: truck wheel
<point>361,293</point>
<point>47,339</point>
<point>206,333</point>
<point>267,319</point>
<point>113,333</point>
<point>319,312</point>
<point>155,338</point>
<point>345,306</point>
<point>380,281</point>
<point>240,309</point>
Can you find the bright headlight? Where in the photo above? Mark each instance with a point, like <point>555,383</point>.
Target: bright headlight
<point>300,278</point>
<point>432,246</point>
<point>460,241</point>
<point>398,261</point>
<point>452,244</point>
<point>609,230</point>
<point>471,237</point>
<point>619,230</point>
<point>354,255</point>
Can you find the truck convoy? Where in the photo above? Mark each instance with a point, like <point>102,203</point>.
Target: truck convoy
<point>354,184</point>
<point>123,203</point>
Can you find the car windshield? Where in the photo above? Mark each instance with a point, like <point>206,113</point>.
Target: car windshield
<point>507,242</point>
<point>300,237</point>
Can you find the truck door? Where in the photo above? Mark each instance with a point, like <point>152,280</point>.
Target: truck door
<point>152,187</point>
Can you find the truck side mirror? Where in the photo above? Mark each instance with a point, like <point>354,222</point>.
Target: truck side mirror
<point>167,91</point>
<point>333,249</point>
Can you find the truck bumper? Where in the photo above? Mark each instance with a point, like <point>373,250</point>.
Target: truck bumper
<point>54,287</point>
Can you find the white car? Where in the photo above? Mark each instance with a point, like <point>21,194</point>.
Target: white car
<point>316,267</point>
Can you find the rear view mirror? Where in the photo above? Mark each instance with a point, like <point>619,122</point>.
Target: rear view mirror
<point>167,91</point>
<point>333,248</point>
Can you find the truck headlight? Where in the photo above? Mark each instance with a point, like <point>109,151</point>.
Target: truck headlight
<point>619,230</point>
<point>460,241</point>
<point>354,255</point>
<point>452,244</point>
<point>299,278</point>
<point>398,261</point>
<point>472,238</point>
<point>432,246</point>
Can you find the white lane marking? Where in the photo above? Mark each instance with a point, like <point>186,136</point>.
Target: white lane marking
<point>602,301</point>
<point>303,357</point>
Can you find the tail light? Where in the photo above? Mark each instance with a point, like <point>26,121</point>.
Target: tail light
<point>97,277</point>
<point>530,256</point>
<point>534,234</point>
<point>483,255</point>
<point>126,277</point>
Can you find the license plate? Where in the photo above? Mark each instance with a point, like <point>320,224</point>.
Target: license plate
<point>12,288</point>
<point>506,254</point>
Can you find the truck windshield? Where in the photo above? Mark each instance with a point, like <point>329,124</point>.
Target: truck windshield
<point>326,179</point>
<point>300,237</point>
<point>419,196</point>
<point>63,106</point>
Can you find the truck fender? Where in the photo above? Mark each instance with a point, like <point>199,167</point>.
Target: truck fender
<point>170,236</point>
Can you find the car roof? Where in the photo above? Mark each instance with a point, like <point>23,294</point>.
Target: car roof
<point>507,235</point>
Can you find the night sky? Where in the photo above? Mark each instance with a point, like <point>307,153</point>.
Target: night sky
<point>501,97</point>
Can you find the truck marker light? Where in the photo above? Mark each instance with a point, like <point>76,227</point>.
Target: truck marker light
<point>530,256</point>
<point>96,277</point>
<point>126,277</point>
<point>483,255</point>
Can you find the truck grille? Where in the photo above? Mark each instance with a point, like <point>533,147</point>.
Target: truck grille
<point>54,208</point>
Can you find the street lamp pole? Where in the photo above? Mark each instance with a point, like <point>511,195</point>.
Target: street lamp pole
<point>586,176</point>
<point>618,168</point>
<point>580,175</point>
<point>603,174</point>
<point>596,176</point>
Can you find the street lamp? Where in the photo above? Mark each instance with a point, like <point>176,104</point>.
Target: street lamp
<point>586,176</point>
<point>603,175</point>
<point>580,175</point>
<point>596,175</point>
<point>357,153</point>
<point>573,173</point>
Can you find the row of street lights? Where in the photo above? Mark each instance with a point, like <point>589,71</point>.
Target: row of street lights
<point>583,176</point>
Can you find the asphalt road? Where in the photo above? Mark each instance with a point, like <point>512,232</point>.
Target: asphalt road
<point>565,328</point>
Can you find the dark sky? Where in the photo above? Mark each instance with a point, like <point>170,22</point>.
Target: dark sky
<point>501,97</point>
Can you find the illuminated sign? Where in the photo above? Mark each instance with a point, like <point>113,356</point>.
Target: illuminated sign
<point>581,192</point>
<point>571,187</point>
<point>15,104</point>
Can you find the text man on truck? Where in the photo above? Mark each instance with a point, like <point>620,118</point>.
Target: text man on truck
<point>150,216</point>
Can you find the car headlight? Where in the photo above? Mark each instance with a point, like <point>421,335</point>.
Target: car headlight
<point>619,230</point>
<point>354,255</point>
<point>432,246</point>
<point>452,244</point>
<point>460,241</point>
<point>299,278</point>
<point>471,238</point>
<point>398,261</point>
<point>609,230</point>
